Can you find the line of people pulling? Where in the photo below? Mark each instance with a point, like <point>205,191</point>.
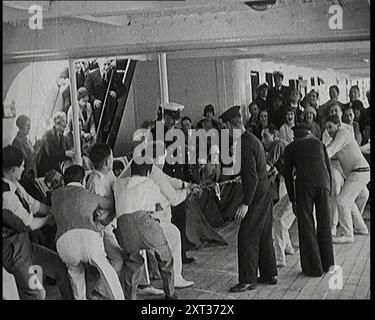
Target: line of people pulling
<point>86,220</point>
<point>109,222</point>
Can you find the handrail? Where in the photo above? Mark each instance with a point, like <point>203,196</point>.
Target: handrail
<point>99,132</point>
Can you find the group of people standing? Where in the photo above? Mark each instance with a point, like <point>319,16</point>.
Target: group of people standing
<point>132,221</point>
<point>319,156</point>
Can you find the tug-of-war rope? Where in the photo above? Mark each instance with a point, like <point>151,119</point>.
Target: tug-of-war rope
<point>218,187</point>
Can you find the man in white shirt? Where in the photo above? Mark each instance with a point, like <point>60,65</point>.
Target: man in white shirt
<point>337,174</point>
<point>137,230</point>
<point>19,253</point>
<point>101,182</point>
<point>354,194</point>
<point>173,191</point>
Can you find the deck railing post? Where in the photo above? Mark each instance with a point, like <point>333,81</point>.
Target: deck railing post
<point>163,76</point>
<point>75,108</point>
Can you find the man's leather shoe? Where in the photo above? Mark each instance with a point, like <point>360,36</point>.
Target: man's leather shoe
<point>187,260</point>
<point>241,287</point>
<point>149,290</point>
<point>271,280</point>
<point>172,297</point>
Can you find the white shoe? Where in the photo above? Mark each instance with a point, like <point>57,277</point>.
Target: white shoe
<point>150,290</point>
<point>181,284</point>
<point>342,239</point>
<point>289,251</point>
<point>362,232</point>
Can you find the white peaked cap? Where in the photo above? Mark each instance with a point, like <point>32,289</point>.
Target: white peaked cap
<point>172,106</point>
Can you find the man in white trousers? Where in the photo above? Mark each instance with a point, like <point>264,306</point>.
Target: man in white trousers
<point>283,216</point>
<point>78,239</point>
<point>353,196</point>
<point>101,182</point>
<point>336,171</point>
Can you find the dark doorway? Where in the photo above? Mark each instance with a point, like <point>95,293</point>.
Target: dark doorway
<point>254,84</point>
<point>269,79</point>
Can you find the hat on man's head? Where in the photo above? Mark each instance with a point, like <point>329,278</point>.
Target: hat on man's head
<point>172,108</point>
<point>22,120</point>
<point>263,85</point>
<point>278,74</point>
<point>310,109</point>
<point>301,130</point>
<point>231,113</point>
<point>81,93</point>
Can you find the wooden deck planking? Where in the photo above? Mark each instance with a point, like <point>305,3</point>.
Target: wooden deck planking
<point>363,288</point>
<point>339,260</point>
<point>349,271</point>
<point>356,273</point>
<point>215,271</point>
<point>348,251</point>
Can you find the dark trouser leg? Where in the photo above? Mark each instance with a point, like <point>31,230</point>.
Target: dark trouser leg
<point>17,261</point>
<point>53,267</point>
<point>152,264</point>
<point>96,113</point>
<point>308,243</point>
<point>129,240</point>
<point>154,238</point>
<point>248,251</point>
<point>133,263</point>
<point>108,116</point>
<point>179,220</point>
<point>323,228</point>
<point>249,237</point>
<point>139,231</point>
<point>267,260</point>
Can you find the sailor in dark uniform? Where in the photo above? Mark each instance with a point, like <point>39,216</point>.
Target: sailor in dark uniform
<point>169,114</point>
<point>308,157</point>
<point>255,247</point>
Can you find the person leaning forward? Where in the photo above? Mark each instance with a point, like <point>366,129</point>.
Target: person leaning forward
<point>308,157</point>
<point>22,214</point>
<point>137,230</point>
<point>255,247</point>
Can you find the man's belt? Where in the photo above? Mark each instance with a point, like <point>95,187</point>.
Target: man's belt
<point>363,169</point>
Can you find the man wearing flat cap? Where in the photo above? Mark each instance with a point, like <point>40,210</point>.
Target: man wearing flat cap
<point>169,113</point>
<point>261,99</point>
<point>308,157</point>
<point>96,83</point>
<point>255,247</point>
<point>278,89</point>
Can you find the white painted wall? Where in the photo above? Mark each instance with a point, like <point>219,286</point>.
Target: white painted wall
<point>242,85</point>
